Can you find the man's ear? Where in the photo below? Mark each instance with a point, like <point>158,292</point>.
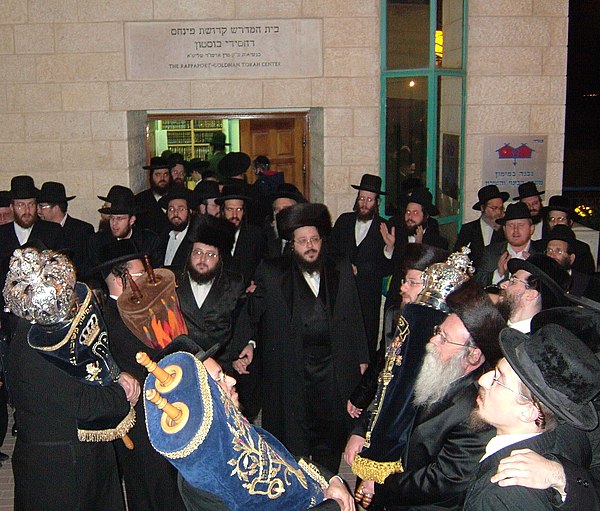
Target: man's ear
<point>532,294</point>
<point>475,357</point>
<point>529,413</point>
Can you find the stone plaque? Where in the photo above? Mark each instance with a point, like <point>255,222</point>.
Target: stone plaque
<point>166,50</point>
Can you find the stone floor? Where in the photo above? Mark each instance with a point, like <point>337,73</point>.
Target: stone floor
<point>7,482</point>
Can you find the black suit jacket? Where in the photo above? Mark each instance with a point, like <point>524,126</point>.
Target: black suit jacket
<point>49,233</point>
<point>248,252</point>
<point>150,216</point>
<point>442,453</point>
<point>471,233</point>
<point>584,261</point>
<point>183,251</point>
<point>77,234</point>
<point>489,261</point>
<point>213,322</point>
<point>272,311</point>
<point>371,266</point>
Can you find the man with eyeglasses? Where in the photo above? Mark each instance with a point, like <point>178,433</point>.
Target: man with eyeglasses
<point>536,283</point>
<point>307,326</point>
<point>440,449</point>
<point>537,399</point>
<point>173,244</point>
<point>357,235</point>
<point>248,245</point>
<point>150,481</point>
<point>210,296</point>
<point>559,212</point>
<point>485,230</point>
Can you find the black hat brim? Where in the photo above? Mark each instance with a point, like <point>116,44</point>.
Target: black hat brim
<point>516,264</point>
<point>368,189</point>
<point>512,345</point>
<point>502,195</point>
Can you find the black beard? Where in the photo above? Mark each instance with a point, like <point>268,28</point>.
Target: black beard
<point>411,231</point>
<point>537,219</point>
<point>204,278</point>
<point>477,424</point>
<point>365,217</point>
<point>306,266</point>
<point>505,309</point>
<point>158,191</point>
<point>180,227</point>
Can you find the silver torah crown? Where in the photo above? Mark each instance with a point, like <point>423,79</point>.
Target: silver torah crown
<point>440,279</point>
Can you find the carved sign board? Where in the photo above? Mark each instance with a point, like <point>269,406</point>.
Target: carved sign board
<point>289,48</point>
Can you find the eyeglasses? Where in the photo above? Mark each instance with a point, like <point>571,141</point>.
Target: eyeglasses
<point>368,200</point>
<point>557,251</point>
<point>437,331</point>
<point>496,380</point>
<point>231,210</point>
<point>557,219</point>
<point>179,209</point>
<point>24,205</point>
<point>513,280</point>
<point>411,282</point>
<point>305,241</point>
<point>200,254</point>
<point>44,206</point>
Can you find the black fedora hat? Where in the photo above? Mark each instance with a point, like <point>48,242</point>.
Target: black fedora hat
<point>113,192</point>
<point>158,162</point>
<point>219,139</point>
<point>233,164</point>
<point>563,233</point>
<point>4,199</point>
<point>122,203</point>
<point>204,190</point>
<point>515,211</point>
<point>22,187</point>
<point>370,183</point>
<point>553,278</point>
<point>176,192</point>
<point>487,193</point>
<point>559,203</point>
<point>303,215</point>
<point>423,197</point>
<point>196,165</point>
<point>231,192</point>
<point>116,252</point>
<point>528,189</point>
<point>287,191</point>
<point>559,369</point>
<point>53,192</point>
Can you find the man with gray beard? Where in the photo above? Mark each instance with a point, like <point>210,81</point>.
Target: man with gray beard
<point>441,450</point>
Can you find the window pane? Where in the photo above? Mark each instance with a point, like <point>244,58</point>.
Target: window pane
<point>407,34</point>
<point>448,153</point>
<point>448,34</point>
<point>406,135</point>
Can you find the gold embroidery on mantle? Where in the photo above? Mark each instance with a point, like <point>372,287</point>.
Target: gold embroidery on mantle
<point>258,466</point>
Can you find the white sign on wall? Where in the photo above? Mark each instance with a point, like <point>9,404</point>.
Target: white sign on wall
<point>509,161</point>
<point>286,48</point>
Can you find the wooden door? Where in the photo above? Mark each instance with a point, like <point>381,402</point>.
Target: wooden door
<point>283,141</point>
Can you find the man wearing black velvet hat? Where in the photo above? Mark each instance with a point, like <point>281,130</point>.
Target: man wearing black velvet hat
<point>357,235</point>
<point>151,215</point>
<point>306,316</point>
<point>203,198</point>
<point>485,230</point>
<point>518,228</point>
<point>544,380</point>
<point>52,206</point>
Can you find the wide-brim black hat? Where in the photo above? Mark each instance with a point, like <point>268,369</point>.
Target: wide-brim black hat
<point>210,230</point>
<point>4,199</point>
<point>219,139</point>
<point>487,193</point>
<point>54,192</point>
<point>303,215</point>
<point>22,187</point>
<point>158,162</point>
<point>516,211</point>
<point>233,164</point>
<point>423,197</point>
<point>196,165</point>
<point>561,232</point>
<point>419,256</point>
<point>528,189</point>
<point>559,203</point>
<point>113,192</point>
<point>559,369</point>
<point>122,203</point>
<point>176,192</point>
<point>114,253</point>
<point>286,191</point>
<point>553,278</point>
<point>204,190</point>
<point>231,192</point>
<point>370,183</point>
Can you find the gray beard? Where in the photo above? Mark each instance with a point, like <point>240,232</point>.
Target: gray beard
<point>435,377</point>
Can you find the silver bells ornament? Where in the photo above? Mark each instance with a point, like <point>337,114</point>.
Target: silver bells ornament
<point>40,286</point>
<point>440,279</point>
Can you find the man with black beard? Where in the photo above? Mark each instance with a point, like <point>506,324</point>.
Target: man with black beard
<point>307,323</point>
<point>357,235</point>
<point>441,450</point>
<point>150,214</point>
<point>173,244</point>
<point>210,296</point>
